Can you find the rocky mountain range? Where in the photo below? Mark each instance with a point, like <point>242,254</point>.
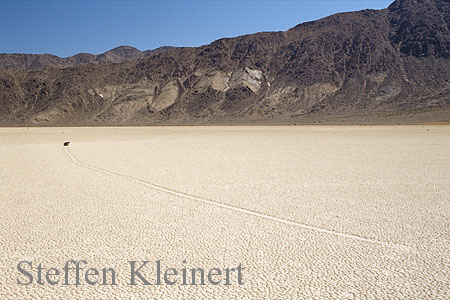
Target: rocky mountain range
<point>39,61</point>
<point>370,66</point>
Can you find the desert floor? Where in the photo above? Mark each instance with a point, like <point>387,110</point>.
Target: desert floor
<point>337,212</point>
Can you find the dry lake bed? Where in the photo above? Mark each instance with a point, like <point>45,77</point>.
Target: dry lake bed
<point>337,212</point>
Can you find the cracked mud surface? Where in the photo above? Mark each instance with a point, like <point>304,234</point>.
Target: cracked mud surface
<point>387,184</point>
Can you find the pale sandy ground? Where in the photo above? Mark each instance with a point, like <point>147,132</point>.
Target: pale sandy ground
<point>341,212</point>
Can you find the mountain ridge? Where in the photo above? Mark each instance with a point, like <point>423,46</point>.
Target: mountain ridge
<point>370,66</point>
<point>23,61</point>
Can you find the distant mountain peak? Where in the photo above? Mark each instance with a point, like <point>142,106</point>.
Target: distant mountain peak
<point>120,54</point>
<point>123,48</point>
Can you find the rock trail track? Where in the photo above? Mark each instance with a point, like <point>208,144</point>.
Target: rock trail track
<point>235,209</point>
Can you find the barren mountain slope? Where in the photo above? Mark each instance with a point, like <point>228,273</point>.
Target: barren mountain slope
<point>390,65</point>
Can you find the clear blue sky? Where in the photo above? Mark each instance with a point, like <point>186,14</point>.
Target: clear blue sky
<point>65,28</point>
